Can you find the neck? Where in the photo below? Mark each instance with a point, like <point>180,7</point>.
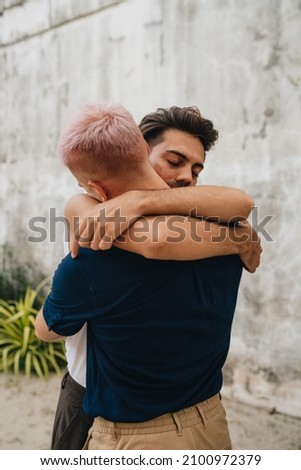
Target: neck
<point>144,180</point>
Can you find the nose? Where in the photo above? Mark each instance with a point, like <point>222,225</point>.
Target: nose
<point>184,178</point>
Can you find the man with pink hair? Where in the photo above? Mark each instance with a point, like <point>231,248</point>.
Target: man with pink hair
<point>158,331</point>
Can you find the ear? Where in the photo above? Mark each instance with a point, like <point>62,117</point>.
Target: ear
<point>148,149</point>
<point>98,190</point>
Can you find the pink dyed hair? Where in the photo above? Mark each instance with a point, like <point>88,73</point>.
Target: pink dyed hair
<point>103,137</point>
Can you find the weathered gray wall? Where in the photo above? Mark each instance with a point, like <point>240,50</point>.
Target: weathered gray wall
<point>240,62</point>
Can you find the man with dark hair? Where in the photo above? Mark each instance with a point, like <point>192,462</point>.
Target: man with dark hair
<point>166,126</point>
<point>178,162</point>
<point>187,119</point>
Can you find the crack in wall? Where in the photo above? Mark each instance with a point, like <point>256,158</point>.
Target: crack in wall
<point>53,26</point>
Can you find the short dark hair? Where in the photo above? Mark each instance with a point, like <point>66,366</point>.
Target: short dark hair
<point>187,119</point>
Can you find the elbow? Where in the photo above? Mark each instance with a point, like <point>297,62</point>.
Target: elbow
<point>249,205</point>
<point>155,250</point>
<point>41,328</point>
<point>152,251</point>
<point>39,334</point>
<point>48,337</point>
<point>245,208</point>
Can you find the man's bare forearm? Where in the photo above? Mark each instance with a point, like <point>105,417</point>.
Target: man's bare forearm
<point>105,222</point>
<point>214,203</point>
<point>185,238</point>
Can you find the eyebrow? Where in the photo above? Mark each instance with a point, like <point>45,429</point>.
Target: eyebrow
<point>183,156</point>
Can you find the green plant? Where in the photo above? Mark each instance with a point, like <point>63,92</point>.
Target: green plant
<point>20,349</point>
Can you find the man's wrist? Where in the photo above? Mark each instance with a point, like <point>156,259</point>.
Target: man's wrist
<point>241,237</point>
<point>145,201</point>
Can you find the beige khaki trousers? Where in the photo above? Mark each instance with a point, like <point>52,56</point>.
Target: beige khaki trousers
<point>203,426</point>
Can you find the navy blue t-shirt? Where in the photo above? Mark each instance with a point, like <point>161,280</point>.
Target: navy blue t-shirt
<point>158,331</point>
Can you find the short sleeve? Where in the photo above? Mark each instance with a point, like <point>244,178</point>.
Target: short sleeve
<point>70,302</point>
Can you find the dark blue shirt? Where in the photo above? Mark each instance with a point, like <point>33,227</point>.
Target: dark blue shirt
<point>158,331</point>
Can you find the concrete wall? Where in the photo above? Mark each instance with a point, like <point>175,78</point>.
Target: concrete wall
<point>240,62</point>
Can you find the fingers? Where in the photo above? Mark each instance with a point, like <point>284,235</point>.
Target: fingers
<point>101,243</point>
<point>91,234</point>
<point>252,257</point>
<point>74,248</point>
<point>105,243</point>
<point>254,262</point>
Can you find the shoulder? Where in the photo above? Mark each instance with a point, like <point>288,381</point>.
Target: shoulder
<point>69,278</point>
<point>70,290</point>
